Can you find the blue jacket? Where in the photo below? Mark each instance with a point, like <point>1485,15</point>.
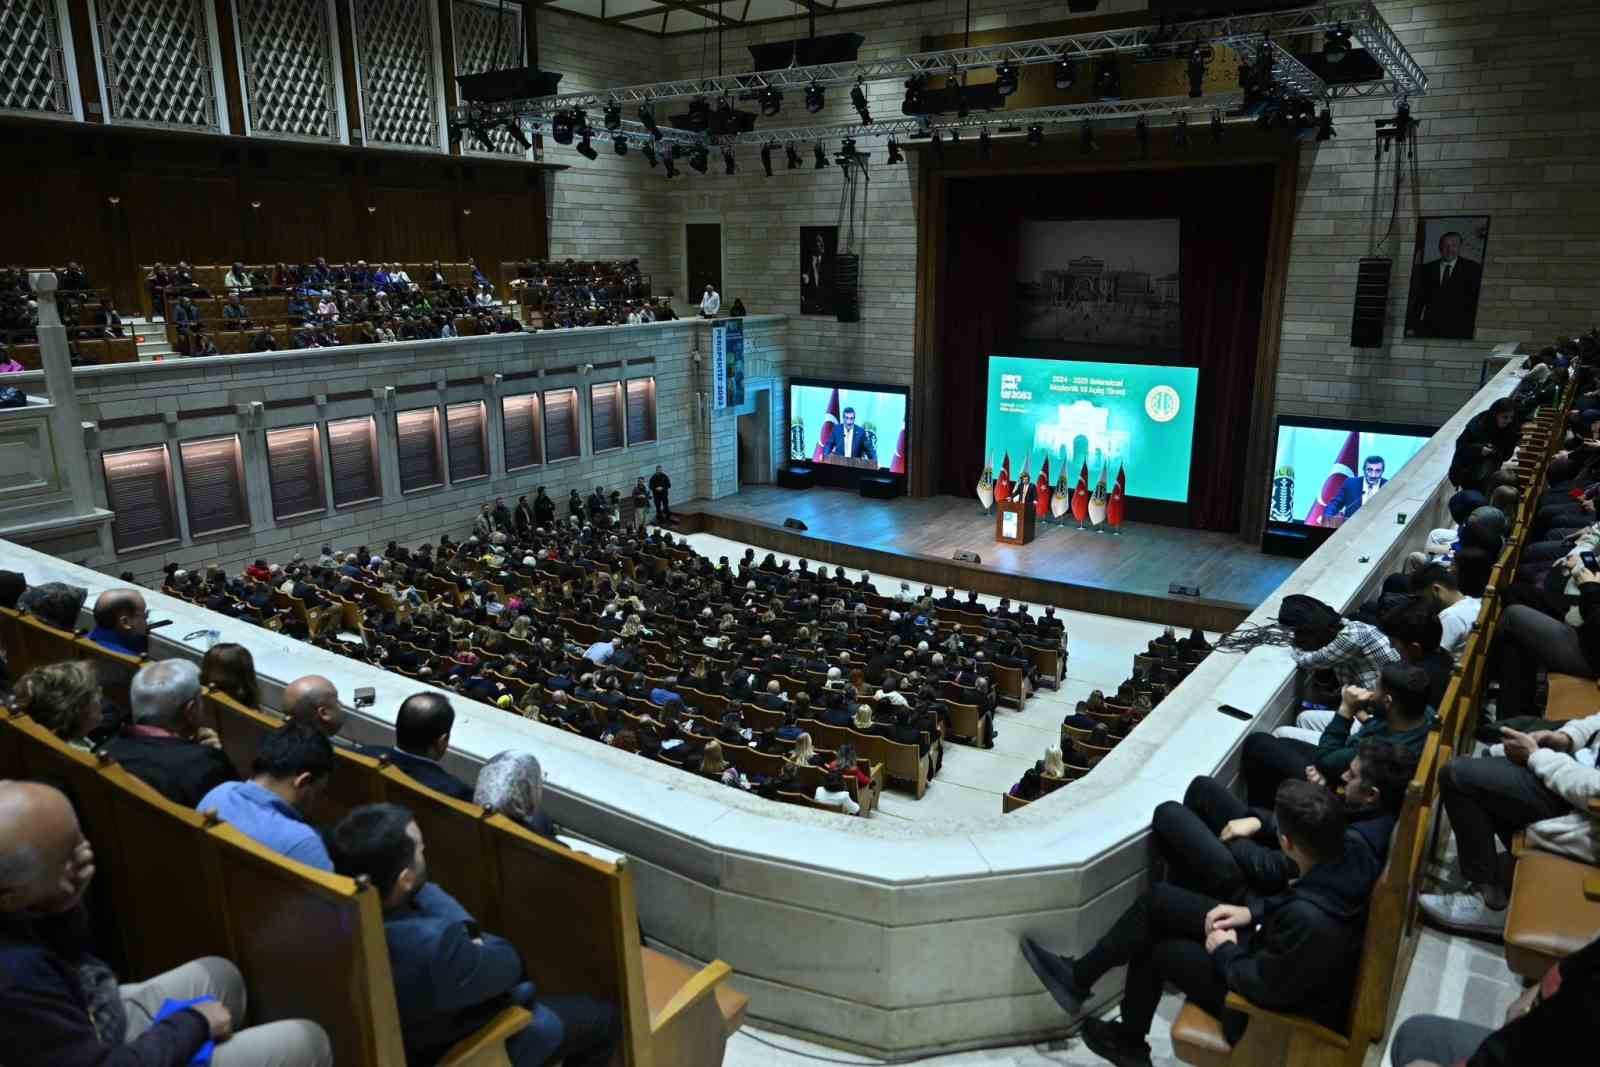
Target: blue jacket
<point>424,770</point>
<point>449,978</point>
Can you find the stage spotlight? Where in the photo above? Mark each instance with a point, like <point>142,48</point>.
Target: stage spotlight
<point>955,136</point>
<point>1066,72</point>
<point>894,152</point>
<point>912,105</point>
<point>821,156</point>
<point>561,127</point>
<point>1336,44</point>
<point>647,115</point>
<point>619,145</point>
<point>728,163</point>
<point>585,148</point>
<point>1180,132</point>
<point>649,151</point>
<point>453,128</point>
<point>1107,79</point>
<point>791,156</point>
<point>613,116</point>
<point>1086,141</point>
<point>1200,56</point>
<point>667,161</point>
<point>955,86</point>
<point>1141,130</point>
<point>1005,79</point>
<point>766,156</point>
<point>1325,130</point>
<point>983,143</point>
<point>514,128</point>
<point>1216,127</point>
<point>814,99</point>
<point>858,100</point>
<point>1036,135</point>
<point>771,101</point>
<point>699,114</point>
<point>698,158</point>
<point>480,133</point>
<point>726,119</point>
<point>938,146</point>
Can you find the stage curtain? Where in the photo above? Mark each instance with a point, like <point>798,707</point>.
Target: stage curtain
<point>1224,215</point>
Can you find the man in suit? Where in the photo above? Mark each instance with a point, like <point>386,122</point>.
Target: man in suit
<point>421,738</point>
<point>1444,293</point>
<point>450,977</point>
<point>852,441</point>
<point>816,287</point>
<point>1357,491</point>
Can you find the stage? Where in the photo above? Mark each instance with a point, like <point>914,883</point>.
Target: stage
<point>1124,574</point>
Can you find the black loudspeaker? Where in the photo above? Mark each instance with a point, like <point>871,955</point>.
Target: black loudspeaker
<point>796,476</point>
<point>1372,302</point>
<point>966,557</point>
<point>793,524</point>
<point>1178,589</point>
<point>880,486</point>
<point>846,288</point>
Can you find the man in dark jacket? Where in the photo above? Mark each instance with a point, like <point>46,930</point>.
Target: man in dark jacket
<point>421,738</point>
<point>163,745</point>
<point>450,977</point>
<point>544,509</point>
<point>61,1005</point>
<point>1294,952</point>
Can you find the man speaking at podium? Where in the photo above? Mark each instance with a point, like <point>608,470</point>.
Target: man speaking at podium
<point>851,441</point>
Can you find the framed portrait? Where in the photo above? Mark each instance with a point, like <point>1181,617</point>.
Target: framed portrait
<point>1447,276</point>
<point>818,246</point>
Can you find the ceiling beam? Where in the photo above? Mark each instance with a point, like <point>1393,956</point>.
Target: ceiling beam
<point>675,5</point>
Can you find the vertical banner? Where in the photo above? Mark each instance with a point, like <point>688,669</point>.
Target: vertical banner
<point>727,365</point>
<point>719,367</point>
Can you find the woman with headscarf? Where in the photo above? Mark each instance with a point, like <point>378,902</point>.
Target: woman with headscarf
<point>513,785</point>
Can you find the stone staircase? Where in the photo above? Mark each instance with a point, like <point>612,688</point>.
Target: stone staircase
<point>152,337</point>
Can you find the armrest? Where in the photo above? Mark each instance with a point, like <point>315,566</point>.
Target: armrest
<point>702,985</point>
<point>1293,1022</point>
<point>1594,805</point>
<point>480,1048</point>
<point>1591,888</point>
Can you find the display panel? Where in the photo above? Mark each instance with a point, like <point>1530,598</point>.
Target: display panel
<point>1128,417</point>
<point>1324,470</point>
<point>641,410</point>
<point>213,485</point>
<point>139,494</point>
<point>353,455</point>
<point>417,441</point>
<point>605,415</point>
<point>560,424</point>
<point>848,425</point>
<point>469,447</point>
<point>294,472</point>
<point>521,426</point>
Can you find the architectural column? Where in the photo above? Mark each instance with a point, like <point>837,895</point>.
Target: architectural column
<point>66,421</point>
<point>495,439</point>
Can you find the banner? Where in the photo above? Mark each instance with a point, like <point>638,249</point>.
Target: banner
<point>727,364</point>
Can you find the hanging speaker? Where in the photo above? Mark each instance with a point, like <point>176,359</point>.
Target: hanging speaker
<point>1372,302</point>
<point>846,288</point>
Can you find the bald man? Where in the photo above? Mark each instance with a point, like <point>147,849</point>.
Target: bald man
<point>46,866</point>
<point>314,700</point>
<point>120,622</point>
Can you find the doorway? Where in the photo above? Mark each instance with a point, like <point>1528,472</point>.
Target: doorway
<point>702,242</point>
<point>755,441</point>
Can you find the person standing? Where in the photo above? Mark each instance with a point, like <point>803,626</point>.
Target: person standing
<point>659,485</point>
<point>710,303</point>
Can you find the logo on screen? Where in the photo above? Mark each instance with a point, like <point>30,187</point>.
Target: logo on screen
<point>1161,403</point>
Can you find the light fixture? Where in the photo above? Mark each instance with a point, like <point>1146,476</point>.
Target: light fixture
<point>1107,79</point>
<point>613,116</point>
<point>894,152</point>
<point>725,116</point>
<point>955,135</point>
<point>649,151</point>
<point>698,158</point>
<point>728,162</point>
<point>117,199</point>
<point>791,156</point>
<point>514,127</point>
<point>371,208</point>
<point>938,146</point>
<point>699,113</point>
<point>953,84</point>
<point>814,100</point>
<point>983,143</point>
<point>912,105</point>
<point>1180,132</point>
<point>585,148</point>
<point>858,100</point>
<point>1216,127</point>
<point>1200,56</point>
<point>561,127</point>
<point>667,161</point>
<point>1325,130</point>
<point>466,211</point>
<point>1336,44</point>
<point>1141,130</point>
<point>820,155</point>
<point>1036,135</point>
<point>480,133</point>
<point>766,156</point>
<point>647,116</point>
<point>1005,79</point>
<point>1086,141</point>
<point>771,101</point>
<point>1066,71</point>
<point>619,145</point>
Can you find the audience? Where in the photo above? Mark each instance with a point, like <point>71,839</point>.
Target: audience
<point>230,669</point>
<point>289,771</point>
<point>64,698</point>
<point>421,739</point>
<point>512,784</point>
<point>121,622</point>
<point>314,700</point>
<point>160,746</point>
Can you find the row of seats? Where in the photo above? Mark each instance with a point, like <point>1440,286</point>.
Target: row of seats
<point>212,278</point>
<point>89,353</point>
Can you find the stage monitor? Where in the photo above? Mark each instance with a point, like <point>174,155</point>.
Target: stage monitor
<point>847,425</point>
<point>1129,417</point>
<point>1324,470</point>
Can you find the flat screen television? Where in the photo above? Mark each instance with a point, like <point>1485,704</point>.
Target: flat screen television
<point>848,425</point>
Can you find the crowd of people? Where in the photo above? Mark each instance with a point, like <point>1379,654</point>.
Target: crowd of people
<point>87,313</point>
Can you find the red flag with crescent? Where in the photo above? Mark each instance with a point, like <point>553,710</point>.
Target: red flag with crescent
<point>1116,506</point>
<point>1343,468</point>
<point>1002,484</point>
<point>1080,495</point>
<point>1041,507</point>
<point>830,426</point>
<point>898,464</point>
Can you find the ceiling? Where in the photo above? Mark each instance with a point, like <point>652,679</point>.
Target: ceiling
<point>667,17</point>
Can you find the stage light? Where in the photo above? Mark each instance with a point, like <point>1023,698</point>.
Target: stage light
<point>698,158</point>
<point>649,151</point>
<point>894,152</point>
<point>667,161</point>
<point>1005,79</point>
<point>912,105</point>
<point>1336,44</point>
<point>619,145</point>
<point>1066,72</point>
<point>480,133</point>
<point>821,156</point>
<point>613,116</point>
<point>561,127</point>
<point>725,115</point>
<point>1036,135</point>
<point>729,165</point>
<point>938,146</point>
<point>983,143</point>
<point>1325,130</point>
<point>955,136</point>
<point>766,156</point>
<point>1180,132</point>
<point>453,128</point>
<point>814,100</point>
<point>1216,127</point>
<point>1200,56</point>
<point>1141,130</point>
<point>1086,141</point>
<point>585,148</point>
<point>858,100</point>
<point>961,94</point>
<point>771,101</point>
<point>514,127</point>
<point>699,114</point>
<point>647,115</point>
<point>1107,79</point>
<point>791,156</point>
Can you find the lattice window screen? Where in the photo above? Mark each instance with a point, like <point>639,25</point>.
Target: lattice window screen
<point>289,85</point>
<point>395,50</point>
<point>156,59</point>
<point>33,64</point>
<point>486,41</point>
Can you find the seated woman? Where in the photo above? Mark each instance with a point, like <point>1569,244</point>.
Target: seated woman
<point>1054,765</point>
<point>846,763</point>
<point>804,754</point>
<point>64,698</point>
<point>833,791</point>
<point>512,783</point>
<point>230,669</point>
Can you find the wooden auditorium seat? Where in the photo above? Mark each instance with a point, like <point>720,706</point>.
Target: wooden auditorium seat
<point>1571,697</point>
<point>1554,909</point>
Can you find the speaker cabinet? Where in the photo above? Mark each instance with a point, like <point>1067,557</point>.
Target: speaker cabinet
<point>1372,302</point>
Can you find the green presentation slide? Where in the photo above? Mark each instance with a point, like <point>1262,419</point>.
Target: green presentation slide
<point>1138,416</point>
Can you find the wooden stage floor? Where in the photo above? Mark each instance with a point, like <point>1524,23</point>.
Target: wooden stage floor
<point>914,538</point>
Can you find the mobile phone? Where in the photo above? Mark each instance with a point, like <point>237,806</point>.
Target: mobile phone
<point>1589,562</point>
<point>1237,713</point>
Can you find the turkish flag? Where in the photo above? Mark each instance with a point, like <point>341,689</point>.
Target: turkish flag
<point>1002,485</point>
<point>830,426</point>
<point>1080,495</point>
<point>1118,502</point>
<point>1343,468</point>
<point>1041,507</point>
<point>898,464</point>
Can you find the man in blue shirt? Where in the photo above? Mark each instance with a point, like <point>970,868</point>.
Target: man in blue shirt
<point>600,652</point>
<point>291,767</point>
<point>121,622</point>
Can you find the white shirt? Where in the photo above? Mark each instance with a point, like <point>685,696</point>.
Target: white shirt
<point>1454,622</point>
<point>711,303</point>
<point>840,799</point>
<point>1368,488</point>
<point>849,436</point>
<point>633,318</point>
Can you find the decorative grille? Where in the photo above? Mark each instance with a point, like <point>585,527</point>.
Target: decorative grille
<point>33,65</point>
<point>157,63</point>
<point>486,41</point>
<point>289,86</point>
<point>394,43</point>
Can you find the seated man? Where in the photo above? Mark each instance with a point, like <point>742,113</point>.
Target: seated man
<point>1457,611</point>
<point>1354,651</point>
<point>313,700</point>
<point>61,1005</point>
<point>290,770</point>
<point>1527,640</point>
<point>421,738</point>
<point>450,978</point>
<point>1543,783</point>
<point>121,622</point>
<point>162,746</point>
<point>1294,952</point>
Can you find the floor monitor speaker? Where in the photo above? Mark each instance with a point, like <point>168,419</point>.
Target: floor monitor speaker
<point>792,523</point>
<point>964,556</point>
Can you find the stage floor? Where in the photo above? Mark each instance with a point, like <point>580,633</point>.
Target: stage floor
<point>1126,574</point>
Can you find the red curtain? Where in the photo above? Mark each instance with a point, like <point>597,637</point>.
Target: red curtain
<point>1224,216</point>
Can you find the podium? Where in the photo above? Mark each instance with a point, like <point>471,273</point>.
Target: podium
<point>1013,522</point>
